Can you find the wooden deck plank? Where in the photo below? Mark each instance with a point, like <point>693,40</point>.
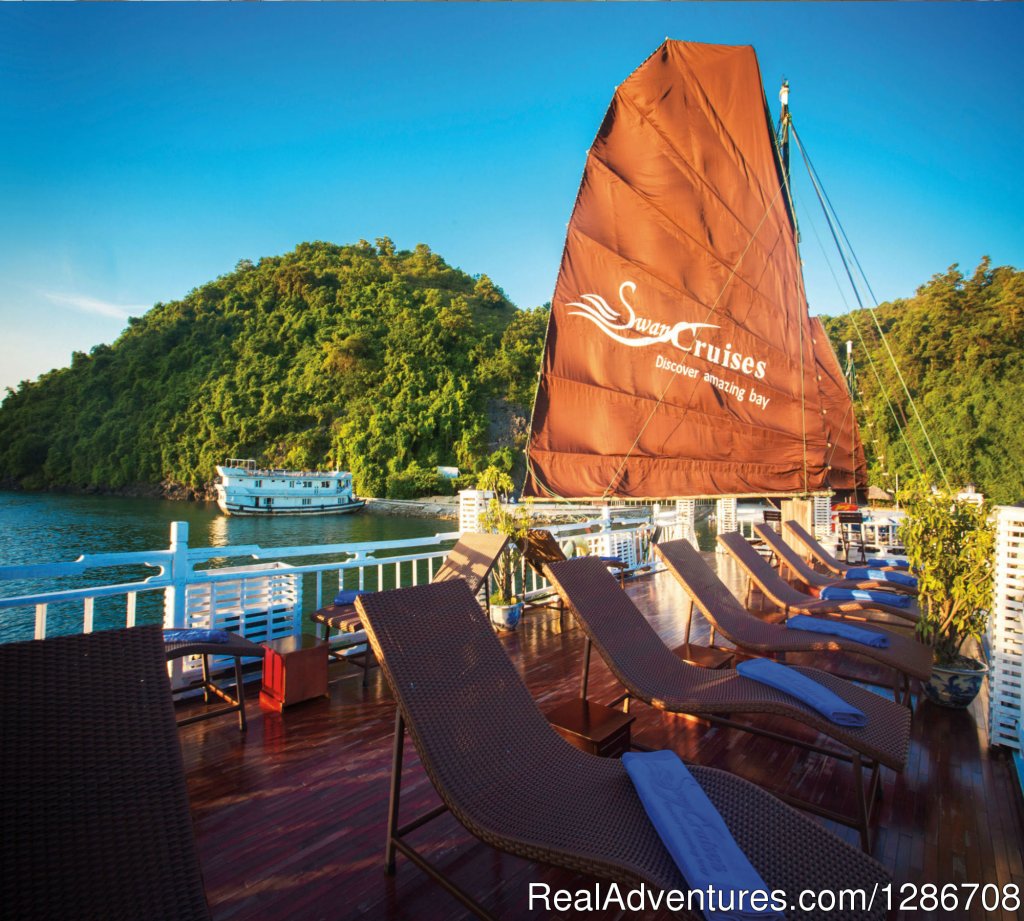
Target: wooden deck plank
<point>290,818</point>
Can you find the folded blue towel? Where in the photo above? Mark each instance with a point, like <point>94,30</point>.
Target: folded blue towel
<point>696,836</point>
<point>197,635</point>
<point>347,596</point>
<point>832,593</point>
<point>839,628</point>
<point>881,575</point>
<point>888,561</point>
<point>817,696</point>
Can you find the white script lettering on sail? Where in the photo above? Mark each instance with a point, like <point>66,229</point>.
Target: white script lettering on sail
<point>625,330</point>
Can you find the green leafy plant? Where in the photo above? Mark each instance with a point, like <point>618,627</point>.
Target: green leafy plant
<point>513,522</point>
<point>950,544</point>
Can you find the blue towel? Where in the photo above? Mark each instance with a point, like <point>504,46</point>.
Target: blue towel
<point>817,696</point>
<point>880,575</point>
<point>832,593</point>
<point>839,628</point>
<point>197,635</point>
<point>347,596</point>
<point>696,836</point>
<point>884,561</point>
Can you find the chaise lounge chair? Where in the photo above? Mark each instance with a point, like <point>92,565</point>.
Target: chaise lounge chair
<point>791,600</point>
<point>94,819</point>
<point>180,643</point>
<point>818,552</point>
<point>817,581</point>
<point>649,671</point>
<point>514,783</point>
<point>905,656</point>
<point>539,548</point>
<point>472,559</point>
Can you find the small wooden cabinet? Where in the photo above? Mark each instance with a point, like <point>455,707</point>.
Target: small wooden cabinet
<point>294,669</point>
<point>592,727</point>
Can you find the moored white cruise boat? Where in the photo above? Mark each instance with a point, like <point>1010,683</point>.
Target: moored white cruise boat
<point>245,489</point>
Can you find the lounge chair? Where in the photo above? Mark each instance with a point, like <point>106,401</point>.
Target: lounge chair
<point>905,656</point>
<point>793,601</point>
<point>237,648</point>
<point>819,553</point>
<point>815,580</point>
<point>539,548</point>
<point>649,671</point>
<point>472,559</point>
<point>514,783</point>
<point>95,819</point>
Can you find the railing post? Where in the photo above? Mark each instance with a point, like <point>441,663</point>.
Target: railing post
<point>174,595</point>
<point>725,519</point>
<point>686,520</point>
<point>472,504</point>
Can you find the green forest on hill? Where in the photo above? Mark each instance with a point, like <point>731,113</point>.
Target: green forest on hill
<point>958,345</point>
<point>390,363</point>
<point>386,363</point>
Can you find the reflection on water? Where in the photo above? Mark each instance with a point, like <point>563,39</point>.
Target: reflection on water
<point>48,528</point>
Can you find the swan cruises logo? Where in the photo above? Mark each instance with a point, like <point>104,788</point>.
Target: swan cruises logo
<point>640,332</point>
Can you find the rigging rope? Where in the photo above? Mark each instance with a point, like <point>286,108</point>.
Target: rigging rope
<point>900,427</point>
<point>823,198</point>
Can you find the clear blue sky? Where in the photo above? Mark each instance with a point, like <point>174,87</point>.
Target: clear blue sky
<point>146,148</point>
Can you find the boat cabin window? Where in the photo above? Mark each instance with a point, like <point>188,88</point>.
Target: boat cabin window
<point>307,501</point>
<point>326,484</point>
<point>306,484</point>
<point>258,484</point>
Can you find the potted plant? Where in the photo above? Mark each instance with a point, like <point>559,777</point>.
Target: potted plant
<point>950,544</point>
<point>513,522</point>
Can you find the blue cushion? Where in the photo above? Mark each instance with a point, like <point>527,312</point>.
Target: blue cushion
<point>840,628</point>
<point>197,635</point>
<point>696,836</point>
<point>347,596</point>
<point>833,593</point>
<point>882,575</point>
<point>816,696</point>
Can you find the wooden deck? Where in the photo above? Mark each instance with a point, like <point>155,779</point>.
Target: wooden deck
<point>291,817</point>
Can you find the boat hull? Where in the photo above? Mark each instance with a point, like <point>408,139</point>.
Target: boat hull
<point>277,511</point>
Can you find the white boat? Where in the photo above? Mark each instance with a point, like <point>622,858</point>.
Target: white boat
<point>245,489</point>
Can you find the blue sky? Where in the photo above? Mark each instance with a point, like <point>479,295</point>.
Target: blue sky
<point>148,147</point>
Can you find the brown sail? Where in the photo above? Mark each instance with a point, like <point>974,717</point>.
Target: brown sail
<point>679,358</point>
<point>848,470</point>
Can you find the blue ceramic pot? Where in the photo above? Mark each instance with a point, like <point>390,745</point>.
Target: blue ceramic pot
<point>506,616</point>
<point>955,687</point>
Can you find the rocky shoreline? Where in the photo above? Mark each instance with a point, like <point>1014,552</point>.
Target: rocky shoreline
<point>446,507</point>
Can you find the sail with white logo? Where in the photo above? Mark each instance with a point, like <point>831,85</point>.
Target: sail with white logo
<point>680,357</point>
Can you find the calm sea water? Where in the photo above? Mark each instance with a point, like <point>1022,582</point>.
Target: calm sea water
<point>47,528</point>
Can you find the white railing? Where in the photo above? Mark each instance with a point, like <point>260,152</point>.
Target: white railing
<point>1006,632</point>
<point>199,590</point>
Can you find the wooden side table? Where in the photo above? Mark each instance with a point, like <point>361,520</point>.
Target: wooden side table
<point>294,669</point>
<point>592,727</point>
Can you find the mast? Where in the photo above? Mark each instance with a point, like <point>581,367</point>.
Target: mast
<point>783,132</point>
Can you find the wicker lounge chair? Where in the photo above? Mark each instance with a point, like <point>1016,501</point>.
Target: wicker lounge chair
<point>814,580</point>
<point>650,672</point>
<point>237,648</point>
<point>539,548</point>
<point>905,656</point>
<point>472,559</point>
<point>95,818</point>
<point>514,783</point>
<point>793,601</point>
<point>819,553</point>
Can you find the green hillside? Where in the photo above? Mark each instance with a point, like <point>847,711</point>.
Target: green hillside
<point>958,343</point>
<point>383,362</point>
